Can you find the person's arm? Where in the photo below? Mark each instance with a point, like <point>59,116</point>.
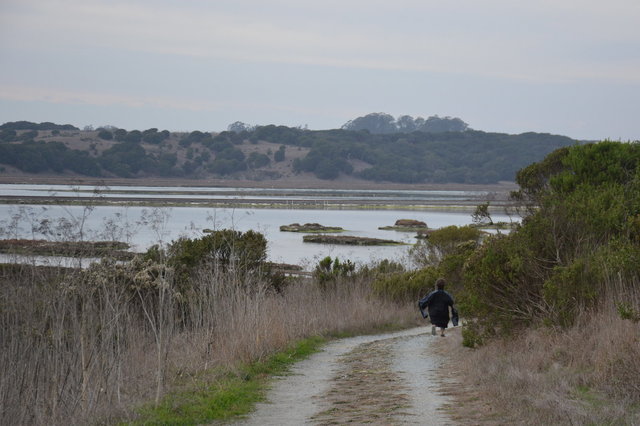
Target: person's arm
<point>426,300</point>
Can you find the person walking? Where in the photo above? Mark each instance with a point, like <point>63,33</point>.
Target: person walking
<point>436,305</point>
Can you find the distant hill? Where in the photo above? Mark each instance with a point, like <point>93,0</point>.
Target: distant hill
<point>274,152</point>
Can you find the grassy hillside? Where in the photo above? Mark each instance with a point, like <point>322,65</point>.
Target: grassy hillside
<point>271,153</point>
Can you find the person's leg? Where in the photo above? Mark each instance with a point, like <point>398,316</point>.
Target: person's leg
<point>433,330</point>
<point>442,331</point>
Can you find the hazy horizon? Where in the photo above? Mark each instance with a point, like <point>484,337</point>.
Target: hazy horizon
<point>569,68</point>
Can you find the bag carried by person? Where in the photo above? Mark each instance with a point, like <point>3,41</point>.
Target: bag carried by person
<point>454,317</point>
<point>422,305</point>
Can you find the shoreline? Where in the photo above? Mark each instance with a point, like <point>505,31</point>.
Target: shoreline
<point>287,183</point>
<point>497,194</point>
<point>272,203</point>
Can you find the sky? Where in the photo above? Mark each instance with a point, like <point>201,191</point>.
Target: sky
<point>565,66</point>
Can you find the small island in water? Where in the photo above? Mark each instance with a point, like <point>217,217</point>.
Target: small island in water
<point>406,225</point>
<point>348,240</point>
<point>310,228</point>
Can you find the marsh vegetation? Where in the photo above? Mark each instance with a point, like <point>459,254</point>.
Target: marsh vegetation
<point>101,342</point>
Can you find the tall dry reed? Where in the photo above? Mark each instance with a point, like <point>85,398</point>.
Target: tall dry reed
<point>76,346</point>
<point>585,374</point>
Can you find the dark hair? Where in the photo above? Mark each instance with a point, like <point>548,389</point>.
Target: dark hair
<point>440,282</point>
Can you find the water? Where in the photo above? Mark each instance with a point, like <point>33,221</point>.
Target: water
<point>142,226</point>
<point>203,193</point>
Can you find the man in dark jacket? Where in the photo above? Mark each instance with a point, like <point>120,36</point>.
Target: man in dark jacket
<point>437,305</point>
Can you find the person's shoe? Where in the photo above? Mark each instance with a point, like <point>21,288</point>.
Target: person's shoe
<point>442,335</point>
<point>433,330</point>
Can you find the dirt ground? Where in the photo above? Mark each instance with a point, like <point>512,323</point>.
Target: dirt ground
<point>386,379</point>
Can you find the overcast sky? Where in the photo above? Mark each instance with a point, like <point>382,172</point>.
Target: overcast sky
<point>565,66</point>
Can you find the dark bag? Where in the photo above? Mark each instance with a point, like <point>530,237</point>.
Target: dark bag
<point>454,317</point>
<point>422,304</point>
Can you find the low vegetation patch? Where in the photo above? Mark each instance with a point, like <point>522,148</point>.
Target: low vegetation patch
<point>406,225</point>
<point>115,249</point>
<point>583,374</point>
<point>497,225</point>
<point>310,228</point>
<point>227,394</point>
<point>348,240</point>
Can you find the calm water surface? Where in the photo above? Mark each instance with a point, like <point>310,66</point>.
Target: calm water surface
<point>143,226</point>
<point>203,193</point>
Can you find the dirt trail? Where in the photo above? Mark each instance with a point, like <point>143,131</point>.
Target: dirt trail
<point>382,379</point>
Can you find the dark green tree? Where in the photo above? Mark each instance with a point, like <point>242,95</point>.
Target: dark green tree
<point>278,156</point>
<point>105,134</point>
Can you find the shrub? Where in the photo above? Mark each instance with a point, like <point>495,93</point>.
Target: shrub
<point>278,156</point>
<point>408,286</point>
<point>329,270</point>
<point>105,134</point>
<point>582,206</point>
<point>442,242</point>
<point>257,160</point>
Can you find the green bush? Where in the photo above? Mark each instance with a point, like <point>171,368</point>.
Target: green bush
<point>226,249</point>
<point>442,242</point>
<point>330,270</point>
<point>581,230</point>
<point>105,134</point>
<point>408,286</point>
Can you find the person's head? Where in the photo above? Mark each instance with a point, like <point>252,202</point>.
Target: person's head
<point>440,282</point>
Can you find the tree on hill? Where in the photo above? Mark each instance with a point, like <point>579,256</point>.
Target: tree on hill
<point>153,136</point>
<point>436,124</point>
<point>239,126</point>
<point>381,123</point>
<point>377,122</point>
<point>278,156</point>
<point>257,160</point>
<point>105,134</point>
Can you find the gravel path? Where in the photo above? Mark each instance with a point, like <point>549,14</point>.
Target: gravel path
<point>380,379</point>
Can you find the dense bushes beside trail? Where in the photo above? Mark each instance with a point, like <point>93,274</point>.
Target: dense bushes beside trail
<point>581,229</point>
<point>560,296</point>
<point>442,254</point>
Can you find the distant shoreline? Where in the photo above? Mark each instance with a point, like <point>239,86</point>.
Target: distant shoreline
<point>302,182</point>
<point>498,194</point>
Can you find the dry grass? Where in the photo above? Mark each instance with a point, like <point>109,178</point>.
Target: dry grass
<point>586,374</point>
<point>366,389</point>
<point>95,345</point>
